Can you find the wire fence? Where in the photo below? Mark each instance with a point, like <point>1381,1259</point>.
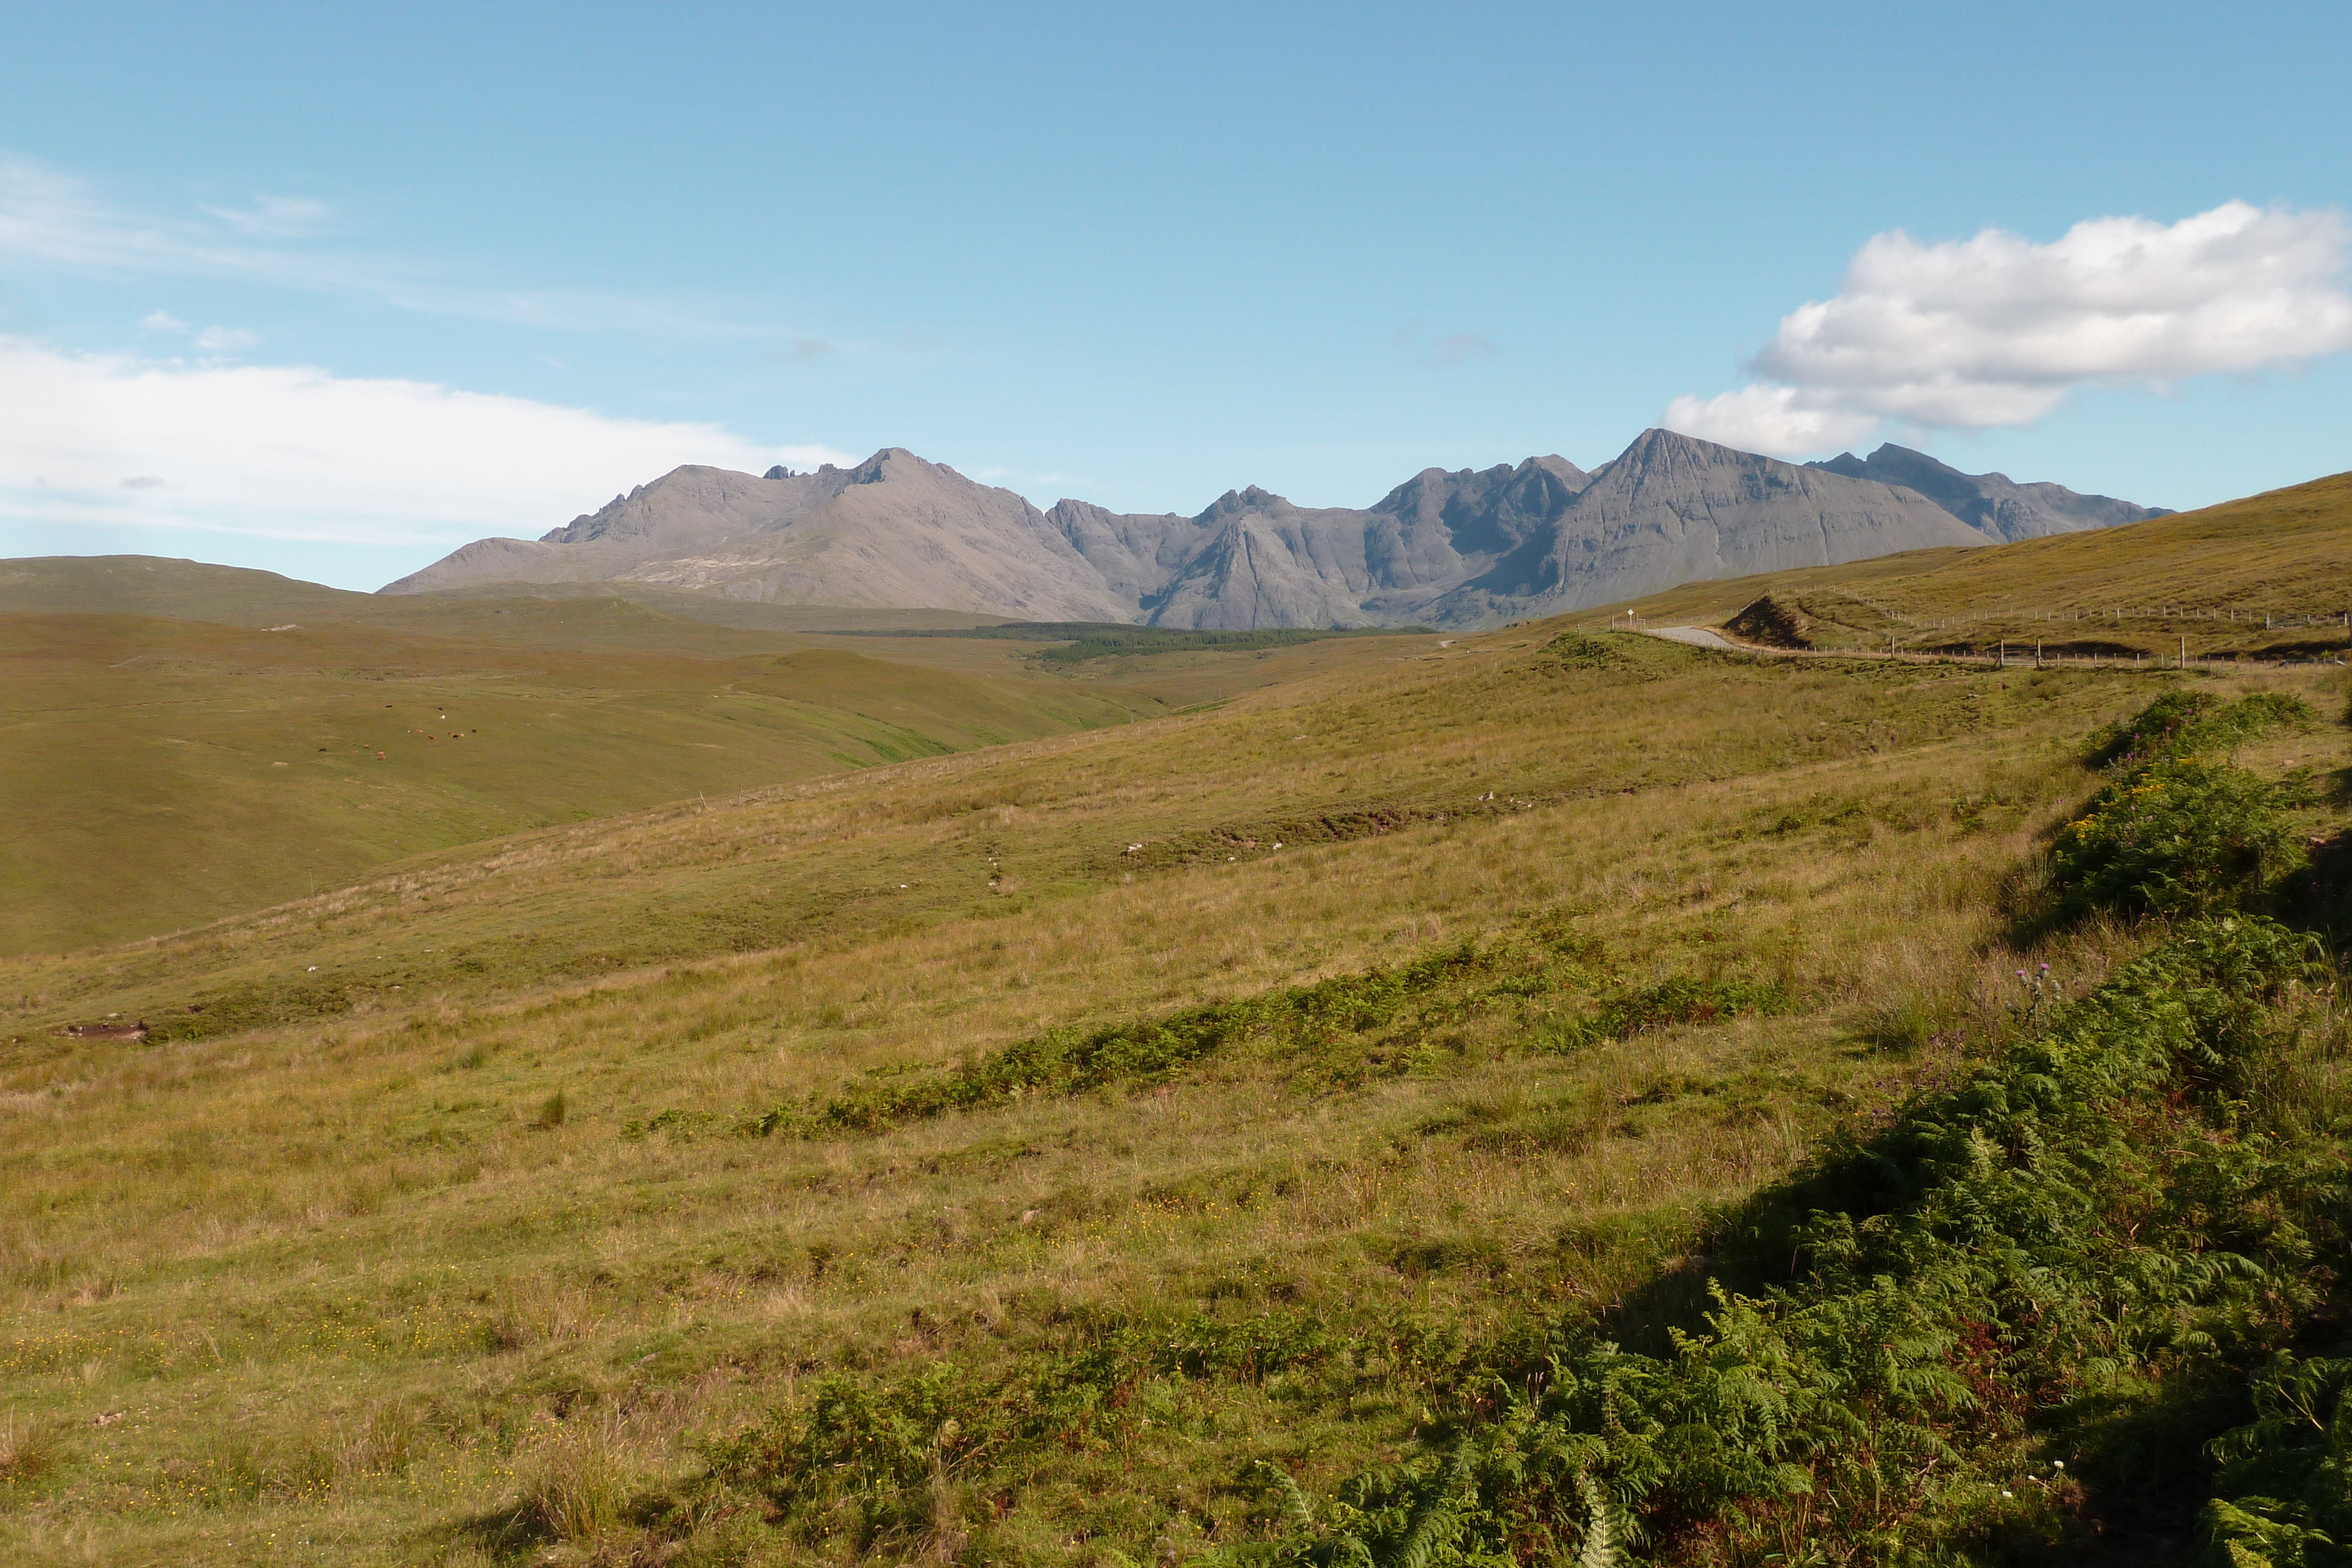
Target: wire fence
<point>2235,615</point>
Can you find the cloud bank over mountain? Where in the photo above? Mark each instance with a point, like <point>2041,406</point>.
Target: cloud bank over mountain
<point>1997,331</point>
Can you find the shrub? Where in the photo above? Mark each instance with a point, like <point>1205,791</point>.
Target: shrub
<point>877,1451</point>
<point>2048,1242</point>
<point>2180,836</point>
<point>1678,999</point>
<point>2289,1470</point>
<point>2185,722</point>
<point>2176,831</point>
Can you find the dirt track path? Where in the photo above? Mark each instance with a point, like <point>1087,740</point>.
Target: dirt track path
<point>1705,637</point>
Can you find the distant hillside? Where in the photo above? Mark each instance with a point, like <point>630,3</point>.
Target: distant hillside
<point>2265,576</point>
<point>1454,549</point>
<point>183,589</point>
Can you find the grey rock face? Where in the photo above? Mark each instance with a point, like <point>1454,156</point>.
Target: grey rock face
<point>1675,509</point>
<point>893,531</point>
<point>1992,503</point>
<point>1458,549</point>
<point>1253,559</point>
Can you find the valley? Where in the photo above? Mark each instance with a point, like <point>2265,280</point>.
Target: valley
<point>1185,1076</point>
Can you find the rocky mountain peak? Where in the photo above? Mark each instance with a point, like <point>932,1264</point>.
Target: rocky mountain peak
<point>1233,503</point>
<point>1993,503</point>
<point>1453,547</point>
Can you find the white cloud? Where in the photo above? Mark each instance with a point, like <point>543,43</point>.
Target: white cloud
<point>162,322</point>
<point>1767,419</point>
<point>286,452</point>
<point>1997,329</point>
<point>224,340</point>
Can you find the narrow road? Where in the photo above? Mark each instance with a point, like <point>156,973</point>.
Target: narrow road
<point>1696,636</point>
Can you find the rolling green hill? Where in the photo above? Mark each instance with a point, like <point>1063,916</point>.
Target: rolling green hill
<point>1532,1096</point>
<point>159,773</point>
<point>240,596</point>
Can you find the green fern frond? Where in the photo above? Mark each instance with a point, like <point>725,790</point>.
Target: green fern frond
<point>1600,1549</point>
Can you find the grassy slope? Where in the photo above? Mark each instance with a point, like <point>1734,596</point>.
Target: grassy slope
<point>1364,748</point>
<point>217,750</point>
<point>161,773</point>
<point>337,1298</point>
<point>2284,554</point>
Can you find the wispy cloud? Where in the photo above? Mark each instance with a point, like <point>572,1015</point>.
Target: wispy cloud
<point>1027,481</point>
<point>211,340</point>
<point>1998,330</point>
<point>46,216</point>
<point>286,452</point>
<point>276,217</point>
<point>1447,351</point>
<point>1460,349</point>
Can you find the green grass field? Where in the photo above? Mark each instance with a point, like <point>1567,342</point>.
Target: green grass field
<point>158,772</point>
<point>1230,1115</point>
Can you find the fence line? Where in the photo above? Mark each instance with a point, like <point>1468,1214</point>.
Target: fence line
<point>2002,657</point>
<point>2272,620</point>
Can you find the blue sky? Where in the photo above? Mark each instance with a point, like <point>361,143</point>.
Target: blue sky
<point>331,293</point>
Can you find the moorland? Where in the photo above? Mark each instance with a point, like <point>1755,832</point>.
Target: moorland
<point>1540,1094</point>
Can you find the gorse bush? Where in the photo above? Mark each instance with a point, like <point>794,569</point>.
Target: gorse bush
<point>2176,831</point>
<point>2179,837</point>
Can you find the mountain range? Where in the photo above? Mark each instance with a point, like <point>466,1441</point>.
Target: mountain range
<point>1461,548</point>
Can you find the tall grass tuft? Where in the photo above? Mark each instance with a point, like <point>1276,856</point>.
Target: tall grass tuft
<point>578,1487</point>
<point>29,1453</point>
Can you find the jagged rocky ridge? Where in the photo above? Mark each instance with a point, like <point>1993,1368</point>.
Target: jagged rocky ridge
<point>1992,503</point>
<point>1453,549</point>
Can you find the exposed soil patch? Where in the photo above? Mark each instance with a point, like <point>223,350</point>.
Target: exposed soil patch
<point>109,1030</point>
<point>1774,623</point>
